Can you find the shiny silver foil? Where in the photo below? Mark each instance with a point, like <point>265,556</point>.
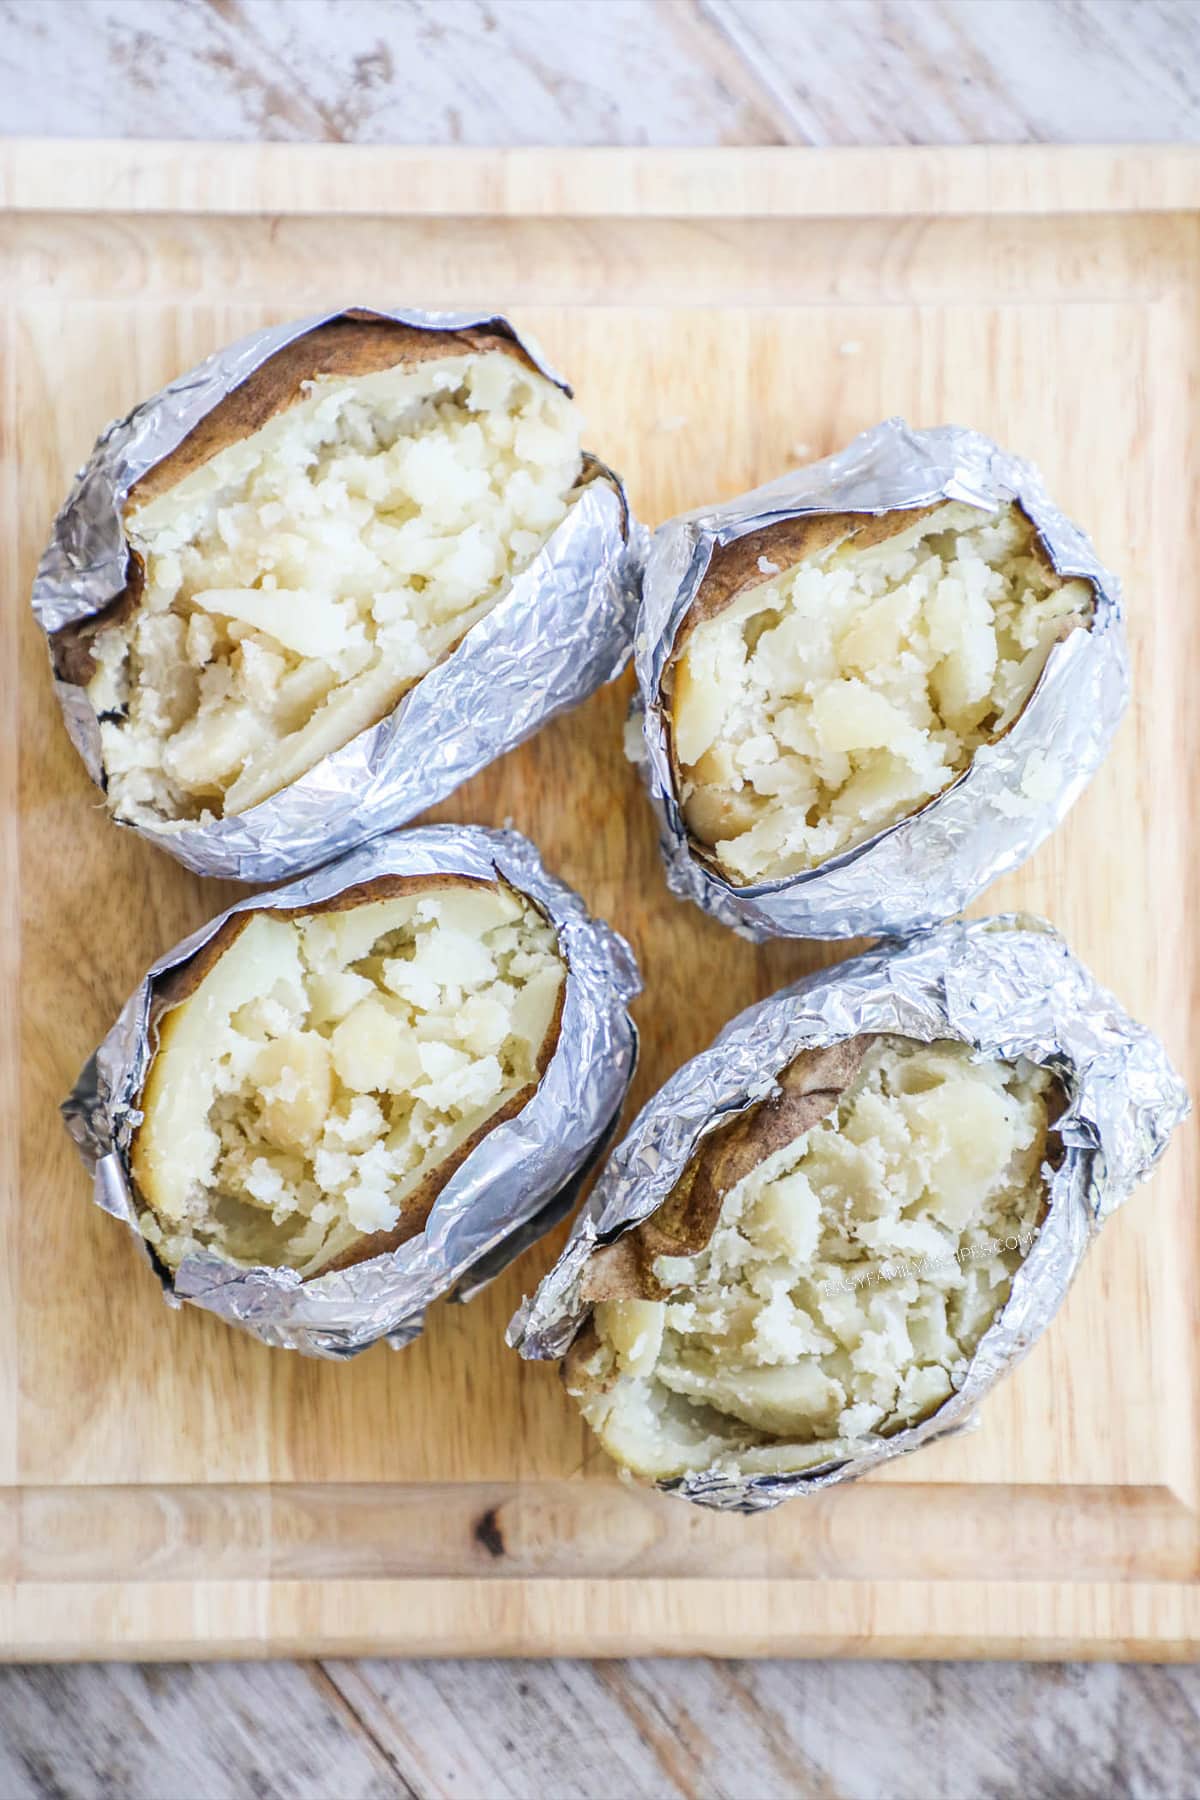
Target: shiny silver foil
<point>1013,793</point>
<point>1009,987</point>
<point>519,1180</point>
<point>562,630</point>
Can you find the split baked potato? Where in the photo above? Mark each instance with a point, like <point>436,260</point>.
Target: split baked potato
<point>320,1073</point>
<point>323,538</point>
<point>826,1266</point>
<point>837,671</point>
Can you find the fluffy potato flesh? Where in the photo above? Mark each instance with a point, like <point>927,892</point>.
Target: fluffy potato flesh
<point>838,695</point>
<point>328,1065</point>
<point>301,580</point>
<point>848,1282</point>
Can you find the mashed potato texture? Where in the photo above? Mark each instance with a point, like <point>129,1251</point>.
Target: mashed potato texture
<point>848,1282</point>
<point>836,696</point>
<point>301,580</point>
<point>327,1066</point>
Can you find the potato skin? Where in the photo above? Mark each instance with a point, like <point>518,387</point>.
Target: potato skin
<point>355,344</point>
<point>733,568</point>
<point>810,1088</point>
<point>183,981</point>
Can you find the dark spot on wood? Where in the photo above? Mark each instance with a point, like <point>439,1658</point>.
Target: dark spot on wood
<point>488,1532</point>
<point>374,69</point>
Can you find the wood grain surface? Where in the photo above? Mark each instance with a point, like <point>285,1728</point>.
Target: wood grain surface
<point>687,72</point>
<point>179,1489</point>
<point>653,1729</point>
<point>512,73</point>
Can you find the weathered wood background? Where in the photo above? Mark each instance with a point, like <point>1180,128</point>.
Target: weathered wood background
<point>591,72</point>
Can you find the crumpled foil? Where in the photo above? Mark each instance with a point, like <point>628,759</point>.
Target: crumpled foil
<point>518,1182</point>
<point>1009,987</point>
<point>1012,794</point>
<point>562,630</point>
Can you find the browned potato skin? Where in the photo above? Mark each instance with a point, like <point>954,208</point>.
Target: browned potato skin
<point>184,980</point>
<point>733,569</point>
<point>574,1373</point>
<point>810,1088</point>
<point>357,344</point>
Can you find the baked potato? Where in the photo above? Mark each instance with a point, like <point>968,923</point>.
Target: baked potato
<point>321,1072</point>
<point>825,1267</point>
<point>321,540</point>
<point>835,672</point>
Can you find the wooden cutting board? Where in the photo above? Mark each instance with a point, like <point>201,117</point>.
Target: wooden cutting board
<point>170,1487</point>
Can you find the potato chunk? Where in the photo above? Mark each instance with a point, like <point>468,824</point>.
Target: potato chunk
<point>295,1080</point>
<point>848,1280</point>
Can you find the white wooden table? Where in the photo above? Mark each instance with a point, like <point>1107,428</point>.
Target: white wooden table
<point>592,72</point>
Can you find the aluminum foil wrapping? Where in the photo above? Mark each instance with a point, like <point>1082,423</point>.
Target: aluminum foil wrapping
<point>1014,791</point>
<point>517,1182</point>
<point>562,630</point>
<point>1009,987</point>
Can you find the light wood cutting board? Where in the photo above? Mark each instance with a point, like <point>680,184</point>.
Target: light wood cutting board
<point>169,1487</point>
